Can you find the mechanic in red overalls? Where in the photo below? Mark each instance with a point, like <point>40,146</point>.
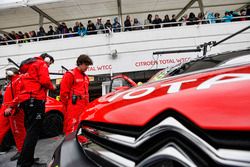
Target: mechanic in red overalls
<point>15,121</point>
<point>35,82</point>
<point>74,93</point>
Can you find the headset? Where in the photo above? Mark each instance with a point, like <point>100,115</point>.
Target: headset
<point>47,60</point>
<point>9,73</point>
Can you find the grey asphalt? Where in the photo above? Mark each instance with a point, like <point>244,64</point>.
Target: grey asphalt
<point>44,150</point>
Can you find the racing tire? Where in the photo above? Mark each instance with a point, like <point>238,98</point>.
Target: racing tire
<point>52,125</point>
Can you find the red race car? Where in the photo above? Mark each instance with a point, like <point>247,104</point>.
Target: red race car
<point>198,118</point>
<point>122,82</point>
<point>53,122</point>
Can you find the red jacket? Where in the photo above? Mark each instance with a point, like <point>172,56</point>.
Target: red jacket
<point>35,82</point>
<point>74,82</point>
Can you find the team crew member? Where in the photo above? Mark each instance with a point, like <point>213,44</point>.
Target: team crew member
<point>35,83</point>
<point>15,121</point>
<point>74,93</point>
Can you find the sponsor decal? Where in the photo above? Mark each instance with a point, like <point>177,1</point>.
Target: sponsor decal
<point>175,87</point>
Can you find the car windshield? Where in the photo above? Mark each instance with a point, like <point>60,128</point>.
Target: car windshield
<point>203,63</point>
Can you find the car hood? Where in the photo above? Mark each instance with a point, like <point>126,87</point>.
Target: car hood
<point>216,99</point>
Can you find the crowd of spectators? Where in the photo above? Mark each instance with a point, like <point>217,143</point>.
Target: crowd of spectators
<point>63,31</point>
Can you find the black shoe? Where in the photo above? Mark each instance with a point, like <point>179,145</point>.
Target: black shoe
<point>37,164</point>
<point>4,149</point>
<point>36,160</point>
<point>15,157</point>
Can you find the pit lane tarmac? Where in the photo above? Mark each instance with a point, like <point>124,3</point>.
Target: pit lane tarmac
<point>44,151</point>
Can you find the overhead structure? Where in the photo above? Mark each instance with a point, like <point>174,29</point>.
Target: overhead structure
<point>200,2</point>
<point>119,7</point>
<point>190,3</point>
<point>15,14</point>
<point>242,7</point>
<point>43,14</point>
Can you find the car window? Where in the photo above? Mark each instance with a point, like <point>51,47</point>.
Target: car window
<point>204,63</point>
<point>236,60</point>
<point>119,82</point>
<point>159,75</point>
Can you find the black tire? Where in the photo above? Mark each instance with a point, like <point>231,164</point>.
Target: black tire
<point>52,125</point>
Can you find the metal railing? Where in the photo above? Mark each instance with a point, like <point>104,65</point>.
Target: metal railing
<point>120,29</point>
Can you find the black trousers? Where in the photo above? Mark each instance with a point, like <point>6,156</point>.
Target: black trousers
<point>34,111</point>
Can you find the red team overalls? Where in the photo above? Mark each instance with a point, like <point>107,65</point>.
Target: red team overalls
<point>16,121</point>
<point>74,83</point>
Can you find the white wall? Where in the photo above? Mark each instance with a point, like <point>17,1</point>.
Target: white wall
<point>134,48</point>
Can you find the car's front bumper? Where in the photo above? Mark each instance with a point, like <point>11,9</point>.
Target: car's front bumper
<point>69,154</point>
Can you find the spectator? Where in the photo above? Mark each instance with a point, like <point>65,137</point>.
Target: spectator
<point>14,35</point>
<point>71,33</point>
<point>65,29</point>
<point>201,18</point>
<point>57,33</point>
<point>8,37</point>
<point>243,13</point>
<point>33,36</point>
<point>127,24</point>
<point>157,21</point>
<point>60,29</point>
<point>41,33</point>
<point>2,40</point>
<point>82,30</point>
<point>217,18</point>
<point>235,16</point>
<point>137,25</point>
<point>173,20</point>
<point>76,27</point>
<point>116,25</point>
<point>184,20</point>
<point>166,21</point>
<point>91,28</point>
<point>192,19</point>
<point>26,37</point>
<point>108,26</point>
<point>147,22</point>
<point>99,26</point>
<point>228,17</point>
<point>20,37</point>
<point>51,32</point>
<point>248,12</point>
<point>211,18</point>
<point>20,34</point>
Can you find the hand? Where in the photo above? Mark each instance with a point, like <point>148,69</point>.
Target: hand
<point>7,112</point>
